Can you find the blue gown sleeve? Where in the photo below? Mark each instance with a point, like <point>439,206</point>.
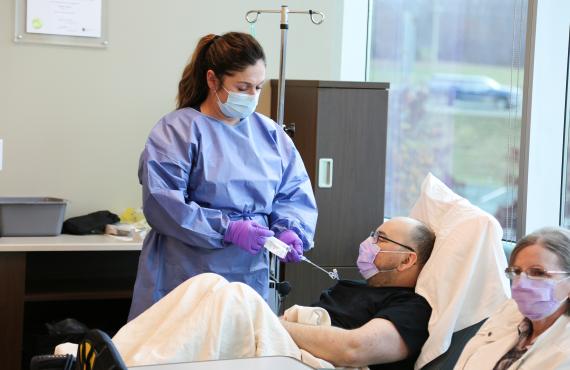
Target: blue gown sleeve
<point>166,204</point>
<point>294,206</point>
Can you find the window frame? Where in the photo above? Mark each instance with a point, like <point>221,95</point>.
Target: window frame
<point>566,136</point>
<point>541,175</point>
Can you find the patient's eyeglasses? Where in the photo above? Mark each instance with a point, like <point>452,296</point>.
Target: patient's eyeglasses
<point>378,235</point>
<point>533,273</point>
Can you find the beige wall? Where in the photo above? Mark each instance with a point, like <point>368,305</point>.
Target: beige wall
<point>74,120</point>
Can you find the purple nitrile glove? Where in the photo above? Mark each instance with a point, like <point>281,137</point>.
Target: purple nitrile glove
<point>295,244</point>
<point>248,235</point>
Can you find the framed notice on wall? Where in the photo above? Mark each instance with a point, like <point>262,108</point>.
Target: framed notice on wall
<point>63,22</point>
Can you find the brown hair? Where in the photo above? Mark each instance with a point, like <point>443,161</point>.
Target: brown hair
<point>226,54</point>
<point>554,239</point>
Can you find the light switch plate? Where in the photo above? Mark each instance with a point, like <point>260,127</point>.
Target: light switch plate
<point>1,151</point>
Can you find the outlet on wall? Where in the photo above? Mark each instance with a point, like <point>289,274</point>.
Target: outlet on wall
<point>1,151</point>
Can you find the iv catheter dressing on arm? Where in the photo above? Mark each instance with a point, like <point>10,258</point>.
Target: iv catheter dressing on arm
<point>280,249</point>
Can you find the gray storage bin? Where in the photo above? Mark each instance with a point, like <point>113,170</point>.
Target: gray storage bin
<point>31,216</point>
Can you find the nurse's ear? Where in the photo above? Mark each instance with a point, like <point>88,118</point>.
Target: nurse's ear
<point>214,83</point>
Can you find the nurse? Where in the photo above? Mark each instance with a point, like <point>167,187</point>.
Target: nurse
<point>219,178</point>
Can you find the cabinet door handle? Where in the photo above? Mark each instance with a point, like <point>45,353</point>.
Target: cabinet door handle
<point>325,172</point>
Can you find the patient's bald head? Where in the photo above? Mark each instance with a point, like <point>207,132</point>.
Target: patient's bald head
<point>411,232</point>
<point>402,234</point>
<point>422,239</point>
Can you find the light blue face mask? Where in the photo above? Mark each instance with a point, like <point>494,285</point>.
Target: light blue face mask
<point>238,105</point>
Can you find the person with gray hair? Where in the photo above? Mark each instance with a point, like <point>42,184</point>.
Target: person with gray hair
<point>531,331</point>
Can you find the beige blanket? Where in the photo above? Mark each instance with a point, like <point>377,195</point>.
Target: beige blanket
<point>208,318</point>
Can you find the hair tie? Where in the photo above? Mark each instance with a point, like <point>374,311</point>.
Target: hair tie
<point>210,43</point>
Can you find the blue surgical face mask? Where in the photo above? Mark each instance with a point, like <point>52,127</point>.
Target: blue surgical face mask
<point>238,105</point>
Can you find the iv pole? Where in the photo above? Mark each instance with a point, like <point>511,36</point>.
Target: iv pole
<point>282,288</point>
<point>316,17</point>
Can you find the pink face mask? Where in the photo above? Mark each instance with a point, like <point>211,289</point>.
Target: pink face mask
<point>536,299</point>
<point>366,254</point>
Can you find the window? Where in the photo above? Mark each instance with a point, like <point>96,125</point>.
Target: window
<point>455,69</point>
<point>566,194</point>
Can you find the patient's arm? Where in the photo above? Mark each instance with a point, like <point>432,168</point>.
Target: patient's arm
<point>377,341</point>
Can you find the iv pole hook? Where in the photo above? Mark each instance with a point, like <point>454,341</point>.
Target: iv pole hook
<point>252,16</point>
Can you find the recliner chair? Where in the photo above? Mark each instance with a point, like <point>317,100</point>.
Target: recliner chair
<point>459,339</point>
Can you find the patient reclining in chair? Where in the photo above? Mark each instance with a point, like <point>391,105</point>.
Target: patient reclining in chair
<point>381,322</point>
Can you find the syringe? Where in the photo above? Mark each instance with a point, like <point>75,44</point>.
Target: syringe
<point>281,249</point>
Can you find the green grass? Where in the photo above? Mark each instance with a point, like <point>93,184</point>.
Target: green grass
<point>479,146</point>
<point>474,150</point>
<point>482,149</point>
<point>388,71</point>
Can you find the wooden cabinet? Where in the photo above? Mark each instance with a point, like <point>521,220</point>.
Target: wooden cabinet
<point>48,279</point>
<point>343,123</point>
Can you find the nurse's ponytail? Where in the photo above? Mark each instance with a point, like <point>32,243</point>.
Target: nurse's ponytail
<point>224,55</point>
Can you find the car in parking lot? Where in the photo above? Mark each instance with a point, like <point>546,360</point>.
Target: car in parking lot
<point>455,88</point>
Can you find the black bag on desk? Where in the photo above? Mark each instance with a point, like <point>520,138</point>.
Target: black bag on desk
<point>93,223</point>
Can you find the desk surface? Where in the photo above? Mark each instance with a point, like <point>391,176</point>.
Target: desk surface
<point>64,242</point>
<point>257,363</point>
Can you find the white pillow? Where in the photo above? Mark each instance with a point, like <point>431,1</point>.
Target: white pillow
<point>463,280</point>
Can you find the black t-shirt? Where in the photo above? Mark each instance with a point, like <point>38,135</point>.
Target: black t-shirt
<point>351,304</point>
